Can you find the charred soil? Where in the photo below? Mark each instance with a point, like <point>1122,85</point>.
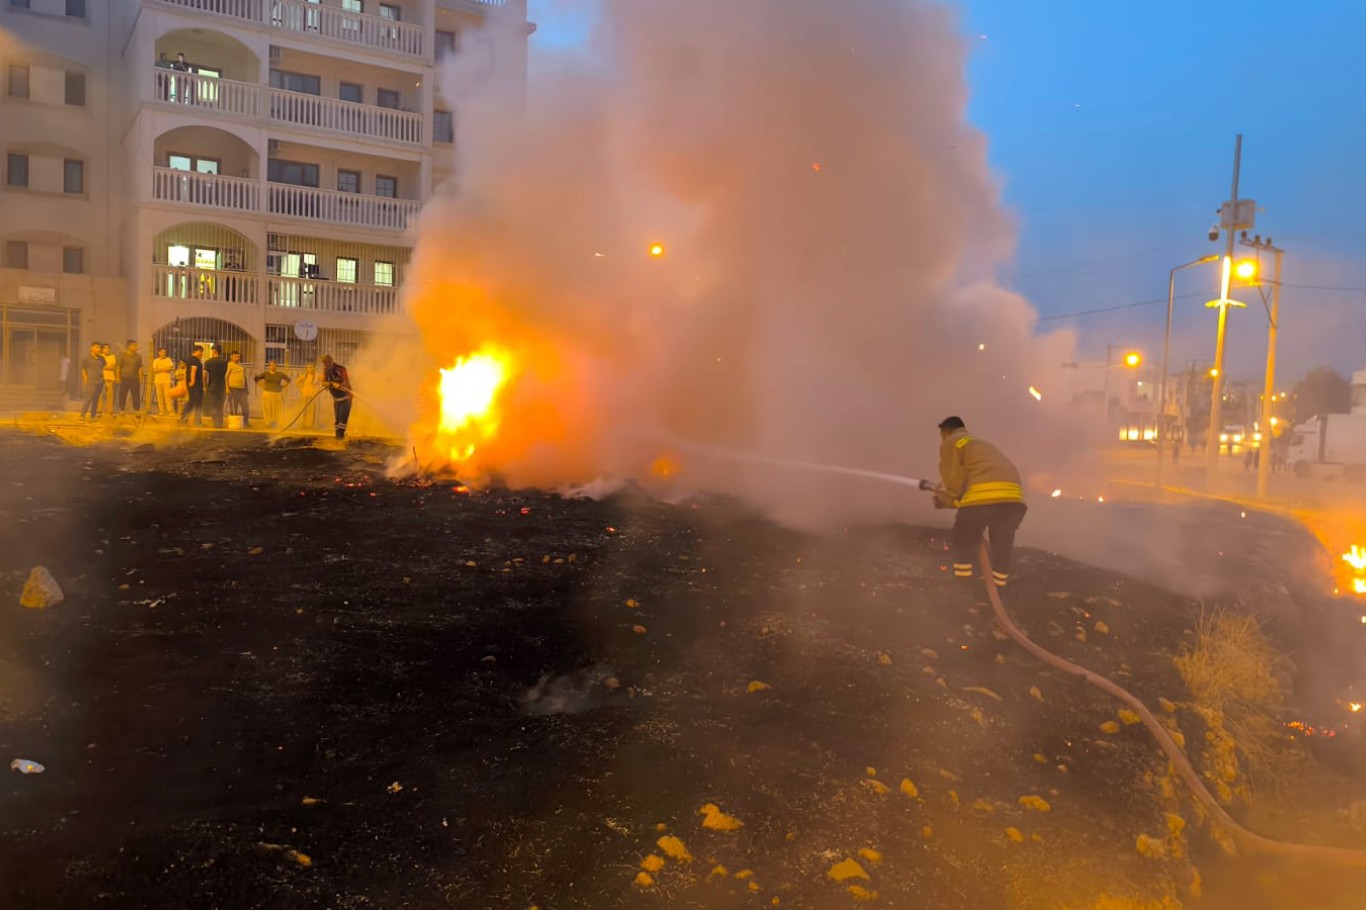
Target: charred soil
<point>280,680</point>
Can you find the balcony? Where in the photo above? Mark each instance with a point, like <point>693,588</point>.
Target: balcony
<point>242,99</point>
<point>315,19</point>
<point>242,194</point>
<point>216,286</point>
<point>332,296</point>
<point>341,208</point>
<point>214,191</point>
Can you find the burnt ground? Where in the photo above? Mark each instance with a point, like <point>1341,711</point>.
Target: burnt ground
<point>443,698</point>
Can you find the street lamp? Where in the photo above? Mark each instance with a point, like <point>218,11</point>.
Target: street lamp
<point>1166,354</point>
<point>1223,303</point>
<point>1131,359</point>
<point>1273,315</point>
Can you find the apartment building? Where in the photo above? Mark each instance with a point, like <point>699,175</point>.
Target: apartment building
<point>238,171</point>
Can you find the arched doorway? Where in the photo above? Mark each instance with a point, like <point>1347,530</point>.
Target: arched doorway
<point>181,335</point>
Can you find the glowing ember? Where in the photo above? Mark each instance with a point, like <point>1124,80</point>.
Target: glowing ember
<point>1057,493</point>
<point>1354,707</point>
<point>656,250</point>
<point>664,466</point>
<point>468,393</point>
<point>1038,396</point>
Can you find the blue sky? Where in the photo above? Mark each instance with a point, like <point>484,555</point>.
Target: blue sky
<point>1111,129</point>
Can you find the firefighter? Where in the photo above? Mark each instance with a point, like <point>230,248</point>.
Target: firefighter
<point>978,480</point>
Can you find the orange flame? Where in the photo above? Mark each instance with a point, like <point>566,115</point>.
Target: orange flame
<point>468,393</point>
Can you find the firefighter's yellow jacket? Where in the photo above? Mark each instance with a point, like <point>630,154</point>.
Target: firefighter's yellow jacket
<point>976,473</point>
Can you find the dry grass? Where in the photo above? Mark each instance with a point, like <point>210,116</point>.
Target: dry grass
<point>1231,673</point>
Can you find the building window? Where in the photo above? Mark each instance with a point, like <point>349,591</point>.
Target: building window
<point>346,269</point>
<point>384,274</point>
<point>193,163</point>
<point>353,6</point>
<point>386,186</point>
<point>390,12</point>
<point>348,181</point>
<point>445,44</point>
<point>19,4</point>
<point>18,81</point>
<point>73,176</point>
<point>16,170</point>
<point>16,254</point>
<point>443,126</point>
<point>352,91</point>
<point>296,82</point>
<point>292,172</point>
<point>75,8</point>
<point>73,260</point>
<point>389,98</point>
<point>75,89</point>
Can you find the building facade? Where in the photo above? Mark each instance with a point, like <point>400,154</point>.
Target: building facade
<point>246,172</point>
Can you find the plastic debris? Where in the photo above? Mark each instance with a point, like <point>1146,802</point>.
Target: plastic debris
<point>26,766</point>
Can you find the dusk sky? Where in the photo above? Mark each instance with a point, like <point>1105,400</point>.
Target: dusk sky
<point>1111,131</point>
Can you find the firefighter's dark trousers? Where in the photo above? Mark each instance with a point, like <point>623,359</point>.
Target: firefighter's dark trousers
<point>1000,520</point>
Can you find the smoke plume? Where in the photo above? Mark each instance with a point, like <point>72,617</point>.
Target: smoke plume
<point>830,230</point>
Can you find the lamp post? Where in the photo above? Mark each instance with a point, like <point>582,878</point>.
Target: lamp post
<point>1131,360</point>
<point>1269,390</point>
<point>1166,354</point>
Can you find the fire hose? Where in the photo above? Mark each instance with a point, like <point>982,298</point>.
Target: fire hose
<point>1250,841</point>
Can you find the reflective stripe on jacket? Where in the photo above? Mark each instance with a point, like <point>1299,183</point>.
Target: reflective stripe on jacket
<point>976,473</point>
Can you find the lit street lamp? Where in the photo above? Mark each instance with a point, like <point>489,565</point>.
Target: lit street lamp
<point>1131,359</point>
<point>1273,315</point>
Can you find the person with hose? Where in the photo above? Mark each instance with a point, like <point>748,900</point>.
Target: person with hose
<point>338,382</point>
<point>978,480</point>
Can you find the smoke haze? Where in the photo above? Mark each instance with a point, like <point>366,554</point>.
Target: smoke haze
<point>831,231</point>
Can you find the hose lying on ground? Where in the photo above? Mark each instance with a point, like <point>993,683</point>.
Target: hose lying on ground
<point>1250,841</point>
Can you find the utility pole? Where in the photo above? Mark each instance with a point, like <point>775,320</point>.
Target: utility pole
<point>1269,392</point>
<point>1232,217</point>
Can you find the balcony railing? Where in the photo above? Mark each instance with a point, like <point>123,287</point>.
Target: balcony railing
<point>331,296</point>
<point>345,116</point>
<point>340,208</point>
<point>218,286</point>
<point>331,22</point>
<point>244,195</point>
<point>227,96</point>
<point>211,190</point>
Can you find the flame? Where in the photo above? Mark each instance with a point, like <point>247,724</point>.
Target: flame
<point>1354,706</point>
<point>664,467</point>
<point>1356,558</point>
<point>468,394</point>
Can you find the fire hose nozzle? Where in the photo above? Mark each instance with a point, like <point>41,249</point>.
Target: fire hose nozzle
<point>928,485</point>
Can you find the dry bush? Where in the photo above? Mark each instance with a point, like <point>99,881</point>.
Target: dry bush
<point>1231,671</point>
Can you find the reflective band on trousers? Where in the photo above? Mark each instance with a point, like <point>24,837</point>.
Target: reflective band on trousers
<point>994,491</point>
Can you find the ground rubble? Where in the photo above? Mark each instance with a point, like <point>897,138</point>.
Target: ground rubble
<point>280,679</point>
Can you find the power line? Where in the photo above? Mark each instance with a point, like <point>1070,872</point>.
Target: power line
<point>1112,309</point>
<point>1156,300</point>
<point>1323,287</point>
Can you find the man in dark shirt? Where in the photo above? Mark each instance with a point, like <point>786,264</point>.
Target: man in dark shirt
<point>338,382</point>
<point>216,385</point>
<point>131,375</point>
<point>92,379</point>
<point>194,387</point>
